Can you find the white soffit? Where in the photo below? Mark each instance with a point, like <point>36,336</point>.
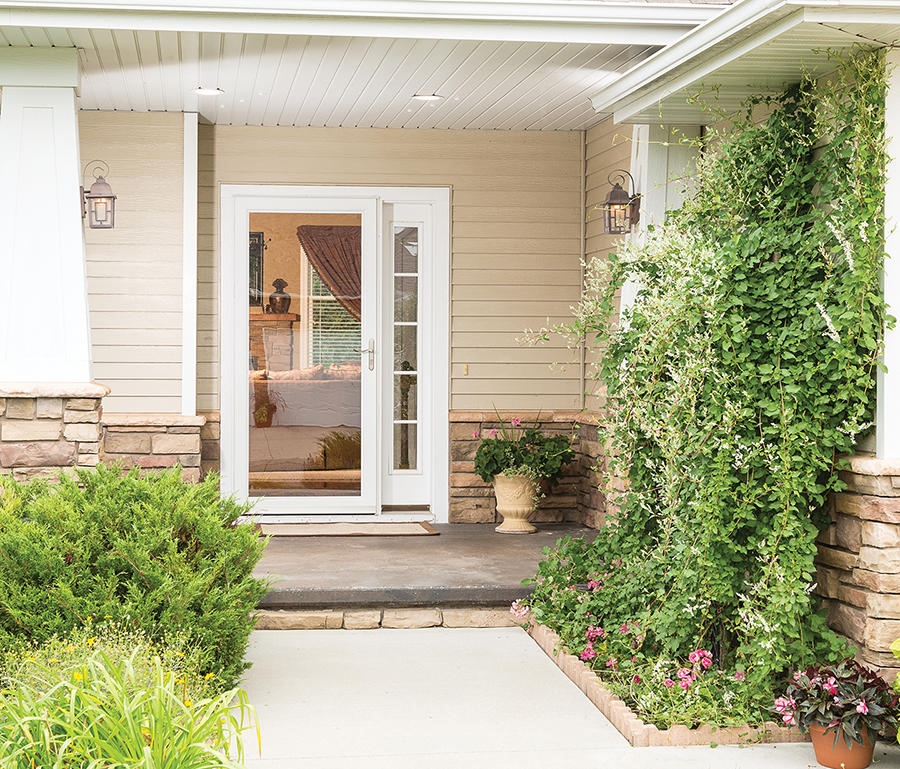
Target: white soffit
<point>498,64</point>
<point>754,47</point>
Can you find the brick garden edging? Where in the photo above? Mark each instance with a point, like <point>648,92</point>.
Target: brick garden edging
<point>631,727</point>
<point>371,619</point>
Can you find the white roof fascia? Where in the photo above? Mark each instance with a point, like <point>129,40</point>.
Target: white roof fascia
<point>572,21</point>
<point>726,38</point>
<point>635,89</point>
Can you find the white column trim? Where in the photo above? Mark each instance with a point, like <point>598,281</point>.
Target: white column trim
<point>887,417</point>
<point>189,270</point>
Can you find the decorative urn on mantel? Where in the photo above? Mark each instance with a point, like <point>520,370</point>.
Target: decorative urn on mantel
<point>518,460</point>
<point>279,301</point>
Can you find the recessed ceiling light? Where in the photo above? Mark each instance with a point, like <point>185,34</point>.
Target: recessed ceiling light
<point>202,91</point>
<point>427,97</point>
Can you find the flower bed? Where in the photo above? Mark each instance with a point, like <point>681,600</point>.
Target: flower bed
<point>638,733</point>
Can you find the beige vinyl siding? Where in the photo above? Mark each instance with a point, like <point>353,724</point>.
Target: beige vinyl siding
<point>134,270</point>
<point>515,249</point>
<point>607,148</point>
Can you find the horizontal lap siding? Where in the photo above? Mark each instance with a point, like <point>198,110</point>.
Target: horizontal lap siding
<point>134,270</point>
<point>608,148</point>
<point>515,250</point>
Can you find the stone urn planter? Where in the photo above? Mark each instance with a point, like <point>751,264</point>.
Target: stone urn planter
<point>517,498</point>
<point>836,754</point>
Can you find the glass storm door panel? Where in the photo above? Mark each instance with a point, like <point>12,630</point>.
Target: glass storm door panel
<point>303,391</point>
<point>305,371</point>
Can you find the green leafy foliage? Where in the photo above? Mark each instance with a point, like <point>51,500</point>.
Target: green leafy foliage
<point>106,697</point>
<point>522,450</point>
<point>743,371</point>
<point>154,552</point>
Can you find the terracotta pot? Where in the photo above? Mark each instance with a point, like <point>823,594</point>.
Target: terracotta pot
<point>517,497</point>
<point>839,756</point>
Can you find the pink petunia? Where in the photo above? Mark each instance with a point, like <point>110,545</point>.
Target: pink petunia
<point>694,657</point>
<point>706,662</point>
<point>668,683</point>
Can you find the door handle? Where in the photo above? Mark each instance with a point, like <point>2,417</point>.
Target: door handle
<point>370,349</point>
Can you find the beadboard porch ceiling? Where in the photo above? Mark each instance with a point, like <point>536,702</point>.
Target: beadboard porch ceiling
<point>496,64</point>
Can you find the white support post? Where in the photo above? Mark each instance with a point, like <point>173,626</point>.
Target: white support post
<point>44,324</point>
<point>887,420</point>
<point>661,164</point>
<point>189,270</point>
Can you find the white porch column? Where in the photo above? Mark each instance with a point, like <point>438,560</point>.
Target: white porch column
<point>44,325</point>
<point>661,164</point>
<point>887,420</point>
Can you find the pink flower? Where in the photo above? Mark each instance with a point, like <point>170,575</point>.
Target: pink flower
<point>862,707</point>
<point>612,662</point>
<point>624,628</point>
<point>831,686</point>
<point>516,421</point>
<point>684,673</point>
<point>636,679</point>
<point>668,683</point>
<point>785,705</point>
<point>694,657</point>
<point>788,718</point>
<point>518,610</point>
<point>739,675</point>
<point>475,434</point>
<point>588,653</point>
<point>685,683</point>
<point>595,584</point>
<point>594,633</point>
<point>706,662</point>
<point>492,433</point>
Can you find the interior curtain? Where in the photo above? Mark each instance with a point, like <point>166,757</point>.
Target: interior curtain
<point>335,252</point>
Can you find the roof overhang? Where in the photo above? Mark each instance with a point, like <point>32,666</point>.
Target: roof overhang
<point>756,46</point>
<point>573,21</point>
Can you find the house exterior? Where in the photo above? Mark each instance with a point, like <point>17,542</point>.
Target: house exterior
<point>422,177</point>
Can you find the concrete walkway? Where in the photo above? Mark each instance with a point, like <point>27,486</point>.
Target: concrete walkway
<point>443,698</point>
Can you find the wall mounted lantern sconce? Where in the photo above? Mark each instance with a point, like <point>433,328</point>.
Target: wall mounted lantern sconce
<point>621,209</point>
<point>98,203</point>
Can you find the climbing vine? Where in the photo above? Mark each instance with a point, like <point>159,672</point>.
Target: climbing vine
<point>743,371</point>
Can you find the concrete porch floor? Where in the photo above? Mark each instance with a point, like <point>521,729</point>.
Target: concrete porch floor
<point>466,565</point>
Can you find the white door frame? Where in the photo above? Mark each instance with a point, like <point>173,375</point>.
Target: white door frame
<point>236,202</point>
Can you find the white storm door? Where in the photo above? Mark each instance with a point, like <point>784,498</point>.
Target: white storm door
<point>300,349</point>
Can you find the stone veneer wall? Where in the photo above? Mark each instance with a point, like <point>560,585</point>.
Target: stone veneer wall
<point>577,498</point>
<point>210,435</point>
<point>46,429</point>
<point>153,442</point>
<point>858,566</point>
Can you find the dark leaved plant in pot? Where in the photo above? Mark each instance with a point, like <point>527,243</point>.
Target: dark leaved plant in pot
<point>843,707</point>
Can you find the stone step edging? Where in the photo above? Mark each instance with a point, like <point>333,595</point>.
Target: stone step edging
<point>638,733</point>
<point>371,619</point>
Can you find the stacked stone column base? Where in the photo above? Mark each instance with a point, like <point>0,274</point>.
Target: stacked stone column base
<point>858,566</point>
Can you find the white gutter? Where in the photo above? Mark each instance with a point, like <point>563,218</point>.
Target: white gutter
<point>544,21</point>
<point>736,31</point>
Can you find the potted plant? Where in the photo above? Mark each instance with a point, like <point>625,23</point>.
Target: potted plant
<point>516,459</point>
<point>843,707</point>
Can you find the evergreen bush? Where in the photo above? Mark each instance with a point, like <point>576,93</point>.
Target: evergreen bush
<point>167,557</point>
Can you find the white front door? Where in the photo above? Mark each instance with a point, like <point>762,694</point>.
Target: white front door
<point>334,351</point>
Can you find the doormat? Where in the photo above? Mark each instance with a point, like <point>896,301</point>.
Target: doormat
<point>410,529</point>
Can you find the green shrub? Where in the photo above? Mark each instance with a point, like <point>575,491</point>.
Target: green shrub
<point>114,700</point>
<point>153,552</point>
